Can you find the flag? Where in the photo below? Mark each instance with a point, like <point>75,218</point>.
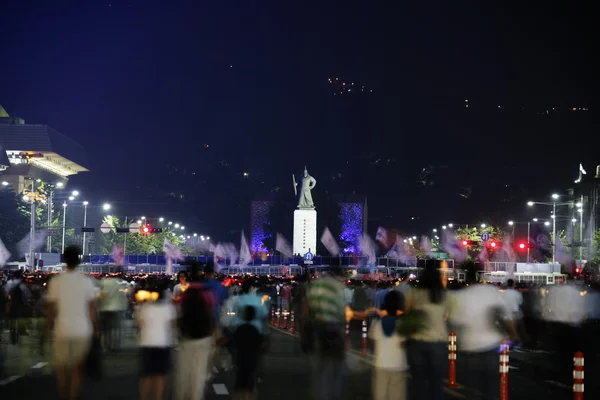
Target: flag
<point>561,255</point>
<point>219,251</point>
<point>382,237</point>
<point>426,246</point>
<point>452,246</point>
<point>172,252</point>
<point>507,253</point>
<point>283,246</point>
<point>245,256</point>
<point>367,247</point>
<point>4,254</point>
<point>483,255</point>
<point>117,253</point>
<point>581,169</point>
<point>329,242</point>
<point>39,240</point>
<point>230,252</point>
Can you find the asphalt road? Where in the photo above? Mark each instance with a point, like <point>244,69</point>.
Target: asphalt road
<point>27,374</point>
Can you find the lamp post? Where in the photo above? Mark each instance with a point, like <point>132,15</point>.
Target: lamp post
<point>32,233</point>
<point>85,204</point>
<point>553,204</point>
<point>64,226</point>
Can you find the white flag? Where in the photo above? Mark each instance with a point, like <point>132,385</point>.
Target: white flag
<point>172,252</point>
<point>329,242</point>
<point>245,256</point>
<point>283,246</point>
<point>382,237</point>
<point>453,247</point>
<point>426,246</point>
<point>561,255</point>
<point>4,254</point>
<point>39,240</point>
<point>367,248</point>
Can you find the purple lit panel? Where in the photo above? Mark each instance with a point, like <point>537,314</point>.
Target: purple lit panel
<point>259,217</point>
<point>351,217</point>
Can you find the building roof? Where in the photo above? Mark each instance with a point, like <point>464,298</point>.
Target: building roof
<point>57,149</point>
<point>3,113</point>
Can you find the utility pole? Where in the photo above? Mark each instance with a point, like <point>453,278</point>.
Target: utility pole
<point>32,232</point>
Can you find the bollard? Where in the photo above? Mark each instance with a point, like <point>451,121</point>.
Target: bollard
<point>578,376</point>
<point>292,323</point>
<point>364,337</point>
<point>285,314</point>
<point>272,315</point>
<point>278,318</point>
<point>452,360</point>
<point>504,371</point>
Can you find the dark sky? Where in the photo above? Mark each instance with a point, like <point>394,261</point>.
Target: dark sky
<point>174,101</point>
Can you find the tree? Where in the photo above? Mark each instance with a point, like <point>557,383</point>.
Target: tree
<point>474,234</point>
<point>14,220</point>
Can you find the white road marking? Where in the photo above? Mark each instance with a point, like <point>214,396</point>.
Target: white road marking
<point>560,385</point>
<point>39,365</point>
<point>220,389</point>
<point>9,380</point>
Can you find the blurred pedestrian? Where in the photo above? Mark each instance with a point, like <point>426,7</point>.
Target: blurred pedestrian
<point>156,320</point>
<point>72,314</point>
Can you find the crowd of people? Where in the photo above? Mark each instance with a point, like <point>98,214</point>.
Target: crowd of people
<point>184,323</point>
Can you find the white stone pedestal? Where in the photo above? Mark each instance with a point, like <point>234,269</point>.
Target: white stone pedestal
<point>305,231</point>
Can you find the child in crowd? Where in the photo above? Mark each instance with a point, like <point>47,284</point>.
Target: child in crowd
<point>389,376</point>
<point>156,320</point>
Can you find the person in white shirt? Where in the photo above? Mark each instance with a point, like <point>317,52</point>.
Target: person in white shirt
<point>389,376</point>
<point>514,303</point>
<point>181,287</point>
<point>72,314</point>
<point>479,310</point>
<point>157,320</point>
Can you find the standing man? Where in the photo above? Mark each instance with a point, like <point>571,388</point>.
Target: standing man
<point>72,314</point>
<point>326,309</point>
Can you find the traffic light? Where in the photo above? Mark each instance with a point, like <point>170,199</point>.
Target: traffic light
<point>577,270</point>
<point>524,245</point>
<point>466,242</point>
<point>147,229</point>
<point>493,244</point>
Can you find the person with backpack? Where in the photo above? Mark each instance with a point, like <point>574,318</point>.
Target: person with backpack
<point>196,329</point>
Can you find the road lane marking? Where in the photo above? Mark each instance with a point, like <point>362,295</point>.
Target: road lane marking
<point>220,389</point>
<point>39,365</point>
<point>9,380</point>
<point>558,384</point>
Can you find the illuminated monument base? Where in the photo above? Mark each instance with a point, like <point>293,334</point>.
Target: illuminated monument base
<point>305,231</point>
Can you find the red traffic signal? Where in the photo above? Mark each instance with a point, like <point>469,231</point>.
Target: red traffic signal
<point>493,244</point>
<point>577,270</point>
<point>524,245</point>
<point>146,229</point>
<point>466,242</point>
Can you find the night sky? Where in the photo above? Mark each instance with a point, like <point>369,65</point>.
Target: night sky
<point>175,101</point>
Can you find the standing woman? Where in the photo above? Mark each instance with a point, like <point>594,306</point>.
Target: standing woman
<point>427,353</point>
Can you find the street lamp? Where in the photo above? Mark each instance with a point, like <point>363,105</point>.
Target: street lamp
<point>547,223</point>
<point>64,223</point>
<point>170,223</point>
<point>85,204</point>
<point>511,223</point>
<point>208,238</point>
<point>195,234</point>
<point>553,216</point>
<point>183,227</point>
<point>71,198</point>
<point>450,225</point>
<point>443,226</point>
<point>106,206</point>
<point>59,184</point>
<point>4,183</point>
<point>483,225</point>
<point>143,218</point>
<point>176,225</point>
<point>161,219</point>
<point>434,230</point>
